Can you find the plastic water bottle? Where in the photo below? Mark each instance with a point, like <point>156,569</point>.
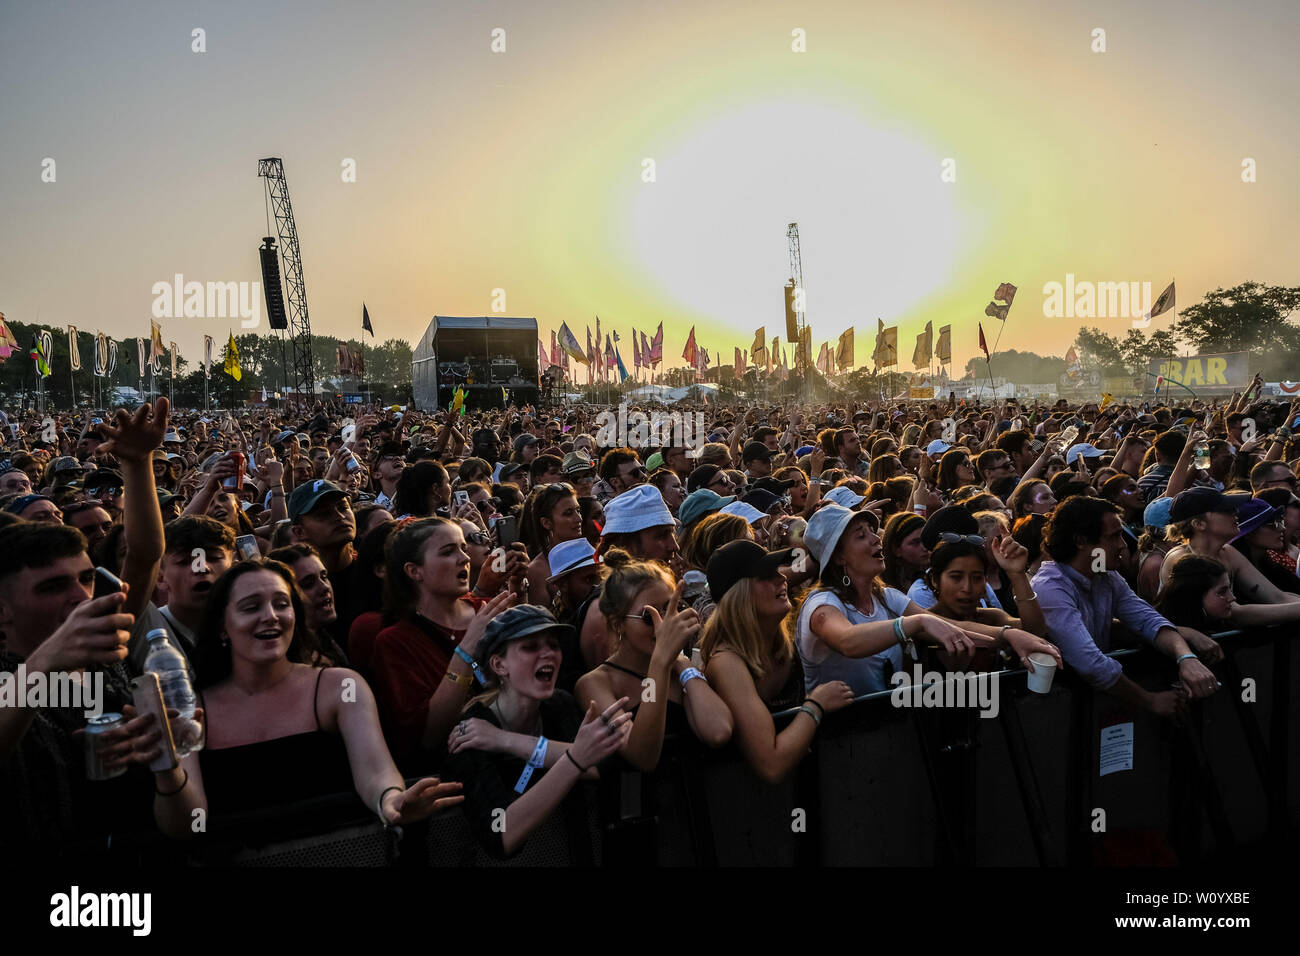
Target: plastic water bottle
<point>177,683</point>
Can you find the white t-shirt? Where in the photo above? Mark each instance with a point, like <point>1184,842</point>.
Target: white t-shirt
<point>865,675</point>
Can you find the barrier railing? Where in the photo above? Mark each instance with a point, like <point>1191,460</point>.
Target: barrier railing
<point>918,786</point>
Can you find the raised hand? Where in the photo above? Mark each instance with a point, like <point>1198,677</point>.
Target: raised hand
<point>94,633</point>
<point>601,734</point>
<point>134,437</point>
<point>674,632</point>
<point>1010,554</point>
<point>422,799</point>
<point>478,626</point>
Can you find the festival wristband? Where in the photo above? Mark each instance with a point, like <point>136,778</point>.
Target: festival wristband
<point>536,760</point>
<point>689,674</point>
<point>478,674</point>
<point>1187,657</point>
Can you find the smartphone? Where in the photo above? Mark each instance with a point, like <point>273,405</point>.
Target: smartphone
<point>148,699</point>
<point>507,529</point>
<point>106,582</point>
<point>247,547</point>
<point>460,498</point>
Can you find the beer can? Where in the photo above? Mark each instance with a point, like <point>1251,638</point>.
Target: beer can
<point>96,727</point>
<point>236,481</point>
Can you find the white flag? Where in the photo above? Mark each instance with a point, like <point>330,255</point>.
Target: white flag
<point>74,353</point>
<point>207,356</point>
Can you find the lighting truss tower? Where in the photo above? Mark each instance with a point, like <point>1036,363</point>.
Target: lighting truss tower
<point>796,275</point>
<point>277,192</point>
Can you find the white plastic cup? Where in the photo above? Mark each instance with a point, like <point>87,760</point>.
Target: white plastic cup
<point>1040,678</point>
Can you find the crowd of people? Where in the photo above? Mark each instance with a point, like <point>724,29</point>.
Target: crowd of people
<point>481,610</point>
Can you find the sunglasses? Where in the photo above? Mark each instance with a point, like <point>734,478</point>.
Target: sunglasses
<point>947,537</point>
<point>110,491</point>
<point>562,485</point>
<point>478,538</point>
<point>645,618</point>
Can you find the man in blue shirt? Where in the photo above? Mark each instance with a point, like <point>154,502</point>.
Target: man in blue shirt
<point>1080,598</point>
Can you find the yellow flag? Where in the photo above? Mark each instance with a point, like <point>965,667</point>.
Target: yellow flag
<point>1106,399</point>
<point>232,360</point>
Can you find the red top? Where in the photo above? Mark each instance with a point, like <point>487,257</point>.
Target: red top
<point>408,662</point>
<point>361,640</point>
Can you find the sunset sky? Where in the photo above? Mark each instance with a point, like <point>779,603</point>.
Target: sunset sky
<point>522,170</point>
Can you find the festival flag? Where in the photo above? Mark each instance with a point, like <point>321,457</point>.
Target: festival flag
<point>645,351</point>
<point>997,311</point>
<point>921,354</point>
<point>618,362</point>
<point>232,359</point>
<point>74,350</point>
<point>207,356</point>
<point>263,393</point>
<point>600,356</point>
<point>984,346</point>
<point>110,365</point>
<point>657,346</point>
<point>542,361</point>
<point>40,357</point>
<point>844,350</point>
<point>1006,293</point>
<point>759,343</point>
<point>505,397</point>
<point>609,354</point>
<point>344,359</point>
<point>365,321</point>
<point>101,353</point>
<point>1072,367</point>
<point>569,342</point>
<point>944,349</point>
<point>1162,304</point>
<point>689,353</point>
<point>458,396</point>
<point>155,343</point>
<point>555,350</point>
<point>141,355</point>
<point>823,359</point>
<point>636,351</point>
<point>7,341</point>
<point>774,356</point>
<point>172,350</point>
<point>1106,399</point>
<point>740,363</point>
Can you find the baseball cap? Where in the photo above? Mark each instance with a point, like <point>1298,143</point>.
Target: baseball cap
<point>953,519</point>
<point>761,498</point>
<point>1083,449</point>
<point>843,495</point>
<point>777,486</point>
<point>743,559</point>
<point>1156,514</point>
<point>654,462</point>
<point>67,464</point>
<point>309,494</point>
<point>283,436</point>
<point>635,510</point>
<point>1195,502</point>
<point>105,478</point>
<point>701,477</point>
<point>937,447</point>
<point>755,450</point>
<point>746,511</point>
<point>20,504</point>
<point>803,450</point>
<point>570,556</point>
<point>700,503</point>
<point>525,439</point>
<point>165,497</point>
<point>508,469</point>
<point>519,622</point>
<point>574,462</point>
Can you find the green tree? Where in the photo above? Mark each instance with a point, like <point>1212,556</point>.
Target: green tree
<point>1250,317</point>
<point>1097,348</point>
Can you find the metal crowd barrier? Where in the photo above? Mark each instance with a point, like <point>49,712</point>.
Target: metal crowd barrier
<point>892,786</point>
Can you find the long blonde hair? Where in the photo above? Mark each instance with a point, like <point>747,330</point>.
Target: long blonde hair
<point>734,625</point>
<point>625,578</point>
<point>710,533</point>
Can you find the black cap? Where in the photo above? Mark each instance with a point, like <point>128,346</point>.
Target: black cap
<point>104,478</point>
<point>519,622</point>
<point>755,450</point>
<point>777,486</point>
<point>1195,502</point>
<point>954,519</point>
<point>742,559</point>
<point>701,476</point>
<point>509,469</point>
<point>761,498</point>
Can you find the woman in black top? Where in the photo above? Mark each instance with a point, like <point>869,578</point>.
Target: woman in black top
<point>512,749</point>
<point>280,731</point>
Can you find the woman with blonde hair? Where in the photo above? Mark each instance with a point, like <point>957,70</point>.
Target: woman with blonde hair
<point>749,657</point>
<point>649,631</point>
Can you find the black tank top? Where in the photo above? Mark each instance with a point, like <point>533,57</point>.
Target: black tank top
<point>276,772</point>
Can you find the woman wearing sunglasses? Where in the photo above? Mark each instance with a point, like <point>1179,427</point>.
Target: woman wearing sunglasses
<point>649,631</point>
